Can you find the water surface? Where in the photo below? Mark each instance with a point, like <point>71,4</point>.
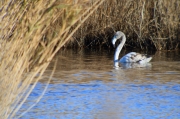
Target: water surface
<point>86,85</point>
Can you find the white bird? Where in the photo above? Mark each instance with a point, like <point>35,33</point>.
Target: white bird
<point>131,57</point>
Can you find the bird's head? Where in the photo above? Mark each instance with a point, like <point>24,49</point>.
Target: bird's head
<point>117,35</point>
<point>114,41</point>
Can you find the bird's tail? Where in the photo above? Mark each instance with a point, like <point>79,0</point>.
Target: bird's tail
<point>148,59</point>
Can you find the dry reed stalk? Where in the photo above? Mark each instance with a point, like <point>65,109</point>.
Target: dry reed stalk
<point>31,34</point>
<point>148,24</point>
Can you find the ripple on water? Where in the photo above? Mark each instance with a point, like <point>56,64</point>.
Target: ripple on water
<point>87,86</point>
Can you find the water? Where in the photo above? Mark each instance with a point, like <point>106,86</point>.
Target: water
<point>85,85</point>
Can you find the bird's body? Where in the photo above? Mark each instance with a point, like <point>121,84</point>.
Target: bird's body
<point>134,57</point>
<point>131,57</point>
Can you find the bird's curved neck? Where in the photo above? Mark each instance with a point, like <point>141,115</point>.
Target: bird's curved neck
<point>119,48</point>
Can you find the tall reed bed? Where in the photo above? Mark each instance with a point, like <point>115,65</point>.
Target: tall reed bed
<point>148,24</point>
<point>32,32</point>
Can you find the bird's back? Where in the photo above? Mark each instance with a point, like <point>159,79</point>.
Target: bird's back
<point>134,57</point>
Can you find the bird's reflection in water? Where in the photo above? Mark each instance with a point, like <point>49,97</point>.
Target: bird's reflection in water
<point>117,65</point>
<point>135,65</point>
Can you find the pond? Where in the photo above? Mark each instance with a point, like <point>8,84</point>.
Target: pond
<point>86,85</point>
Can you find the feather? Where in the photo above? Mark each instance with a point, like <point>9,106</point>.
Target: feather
<point>131,57</point>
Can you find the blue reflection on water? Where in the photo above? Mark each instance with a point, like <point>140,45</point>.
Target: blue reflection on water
<point>101,100</point>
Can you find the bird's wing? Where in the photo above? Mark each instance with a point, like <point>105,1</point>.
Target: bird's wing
<point>135,57</point>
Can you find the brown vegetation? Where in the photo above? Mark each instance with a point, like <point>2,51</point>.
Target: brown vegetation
<point>33,31</point>
<point>148,24</point>
<point>31,34</point>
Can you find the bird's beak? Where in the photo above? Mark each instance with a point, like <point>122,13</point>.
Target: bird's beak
<point>114,41</point>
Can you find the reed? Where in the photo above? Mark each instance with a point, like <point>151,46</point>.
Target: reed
<point>148,24</point>
<point>32,32</point>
